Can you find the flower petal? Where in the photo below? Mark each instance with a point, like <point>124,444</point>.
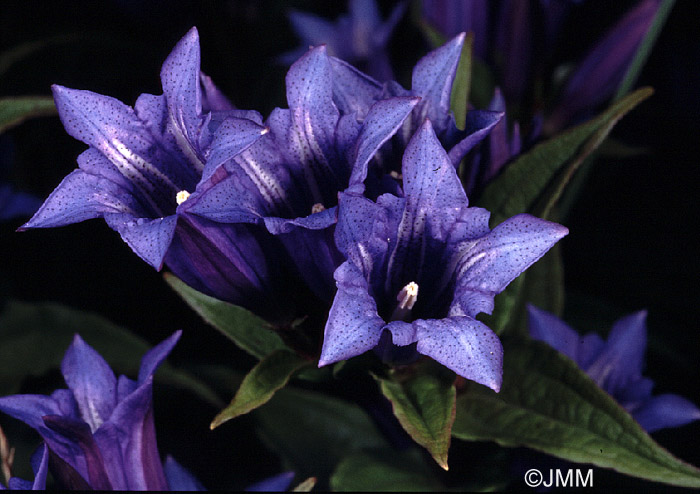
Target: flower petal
<point>667,410</point>
<point>311,136</point>
<point>180,77</point>
<point>148,238</point>
<point>179,478</point>
<point>232,137</point>
<point>212,98</point>
<point>555,332</point>
<point>133,423</point>
<point>92,382</point>
<point>277,483</point>
<point>40,466</point>
<point>353,325</point>
<point>432,80</point>
<point>79,449</point>
<point>488,264</point>
<point>622,358</point>
<point>435,199</point>
<point>353,91</point>
<point>478,125</point>
<point>156,355</point>
<point>464,345</point>
<point>383,120</point>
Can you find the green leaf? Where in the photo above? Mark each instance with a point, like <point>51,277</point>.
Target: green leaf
<point>35,337</point>
<point>313,432</point>
<point>536,179</point>
<point>270,375</point>
<point>644,49</point>
<point>424,403</point>
<point>460,87</point>
<point>547,403</point>
<point>246,330</point>
<point>15,110</point>
<point>384,470</point>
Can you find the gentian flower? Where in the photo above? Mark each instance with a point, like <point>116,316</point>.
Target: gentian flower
<point>360,38</point>
<point>100,432</point>
<point>432,80</point>
<point>144,163</point>
<point>616,366</point>
<point>424,265</point>
<point>289,179</point>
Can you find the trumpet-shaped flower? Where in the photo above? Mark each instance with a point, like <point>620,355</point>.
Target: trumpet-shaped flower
<point>616,366</point>
<point>100,432</point>
<point>424,265</point>
<point>144,163</point>
<point>289,179</point>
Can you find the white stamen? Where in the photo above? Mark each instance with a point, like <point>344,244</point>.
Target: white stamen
<point>406,298</point>
<point>181,197</point>
<point>265,131</point>
<point>395,175</point>
<point>317,208</point>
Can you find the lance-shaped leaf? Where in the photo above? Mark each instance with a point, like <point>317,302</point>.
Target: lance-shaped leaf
<point>547,403</point>
<point>34,337</point>
<point>424,403</point>
<point>270,375</point>
<point>521,185</point>
<point>16,110</point>
<point>246,330</point>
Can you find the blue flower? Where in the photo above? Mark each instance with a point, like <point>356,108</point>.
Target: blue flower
<point>289,179</point>
<point>100,432</point>
<point>616,366</point>
<point>144,163</point>
<point>423,266</point>
<point>360,38</point>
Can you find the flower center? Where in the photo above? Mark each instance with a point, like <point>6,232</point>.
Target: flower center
<point>317,208</point>
<point>181,197</point>
<point>406,299</point>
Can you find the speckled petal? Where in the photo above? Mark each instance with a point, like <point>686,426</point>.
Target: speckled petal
<point>149,239</point>
<point>353,91</point>
<point>479,124</point>
<point>464,345</point>
<point>232,137</point>
<point>353,325</point>
<point>180,77</point>
<point>487,265</point>
<point>432,80</point>
<point>383,120</point>
<point>434,202</point>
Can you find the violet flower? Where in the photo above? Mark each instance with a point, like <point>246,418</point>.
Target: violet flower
<point>100,432</point>
<point>360,38</point>
<point>423,266</point>
<point>616,366</point>
<point>432,80</point>
<point>289,179</point>
<point>144,163</point>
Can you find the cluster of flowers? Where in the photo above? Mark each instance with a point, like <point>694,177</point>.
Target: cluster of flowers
<point>355,181</point>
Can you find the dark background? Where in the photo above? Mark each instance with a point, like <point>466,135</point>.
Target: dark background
<point>631,244</point>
